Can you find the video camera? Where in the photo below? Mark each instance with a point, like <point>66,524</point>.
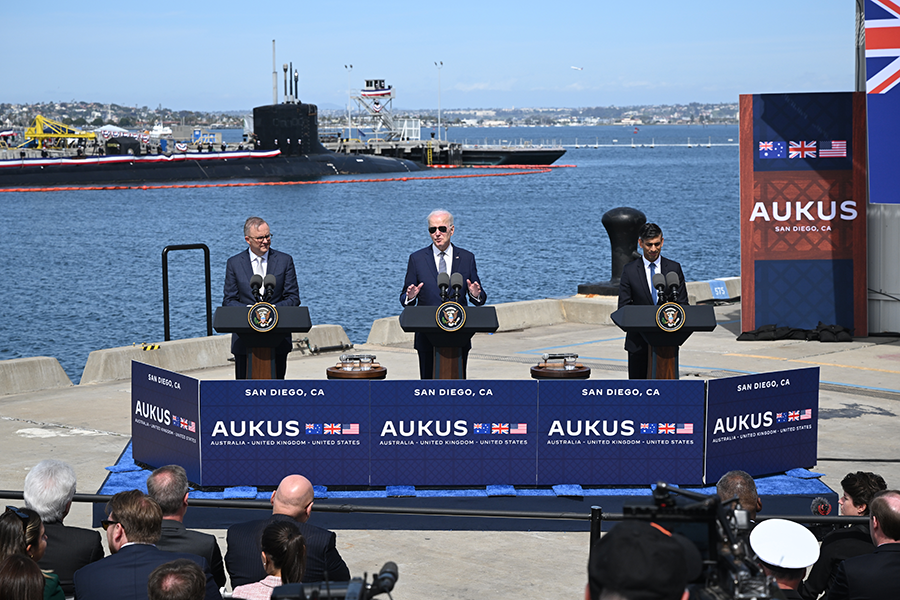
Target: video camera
<point>355,589</point>
<point>721,533</point>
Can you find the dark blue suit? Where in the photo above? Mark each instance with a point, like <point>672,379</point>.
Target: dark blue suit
<point>245,565</point>
<point>124,575</point>
<point>238,272</point>
<point>874,576</point>
<point>421,269</point>
<point>634,289</point>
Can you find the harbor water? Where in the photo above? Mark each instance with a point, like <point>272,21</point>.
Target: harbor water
<point>84,267</point>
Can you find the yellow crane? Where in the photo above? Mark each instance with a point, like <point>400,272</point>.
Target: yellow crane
<point>54,132</point>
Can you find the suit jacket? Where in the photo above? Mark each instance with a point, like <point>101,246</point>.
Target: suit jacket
<point>244,563</point>
<point>238,272</point>
<point>837,546</point>
<point>634,289</point>
<point>69,549</point>
<point>177,538</point>
<point>873,576</point>
<point>124,575</point>
<point>421,269</point>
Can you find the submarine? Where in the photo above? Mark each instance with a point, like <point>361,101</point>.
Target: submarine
<point>286,148</point>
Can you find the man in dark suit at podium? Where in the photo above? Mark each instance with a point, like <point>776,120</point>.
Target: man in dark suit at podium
<point>635,287</point>
<point>260,259</point>
<point>421,288</point>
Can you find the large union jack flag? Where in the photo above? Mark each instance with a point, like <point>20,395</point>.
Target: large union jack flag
<point>802,150</point>
<point>882,45</point>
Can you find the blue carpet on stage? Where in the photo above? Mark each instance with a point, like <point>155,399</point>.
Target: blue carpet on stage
<point>790,493</point>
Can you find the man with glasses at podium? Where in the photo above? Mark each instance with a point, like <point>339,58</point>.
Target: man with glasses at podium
<point>260,259</point>
<point>421,287</point>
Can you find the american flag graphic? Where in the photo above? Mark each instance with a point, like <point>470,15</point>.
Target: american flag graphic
<point>520,428</point>
<point>882,45</point>
<point>350,429</point>
<point>806,414</point>
<point>838,150</point>
<point>686,428</point>
<point>802,150</point>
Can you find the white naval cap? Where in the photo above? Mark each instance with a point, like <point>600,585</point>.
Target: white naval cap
<point>785,544</point>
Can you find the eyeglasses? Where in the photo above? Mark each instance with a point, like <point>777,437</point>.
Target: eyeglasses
<point>262,238</point>
<point>441,228</point>
<point>105,523</point>
<point>18,513</point>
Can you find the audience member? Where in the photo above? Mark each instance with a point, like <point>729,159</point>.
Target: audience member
<point>874,576</point>
<point>638,560</point>
<point>180,579</point>
<point>283,557</point>
<point>858,489</point>
<point>292,501</point>
<point>132,528</point>
<point>785,549</point>
<point>49,488</point>
<point>740,485</point>
<point>21,532</point>
<point>20,579</point>
<point>169,487</point>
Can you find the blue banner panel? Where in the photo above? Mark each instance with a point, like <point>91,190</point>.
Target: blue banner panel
<point>801,132</point>
<point>453,432</point>
<point>804,292</point>
<point>620,432</point>
<point>883,99</point>
<point>165,418</point>
<point>762,424</point>
<point>255,432</point>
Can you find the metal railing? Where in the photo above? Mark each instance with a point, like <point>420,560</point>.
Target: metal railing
<point>165,275</point>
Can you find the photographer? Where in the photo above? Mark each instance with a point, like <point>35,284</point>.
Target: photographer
<point>638,560</point>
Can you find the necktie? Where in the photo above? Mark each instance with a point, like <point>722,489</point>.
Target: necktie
<point>442,264</point>
<point>258,266</point>
<point>652,288</point>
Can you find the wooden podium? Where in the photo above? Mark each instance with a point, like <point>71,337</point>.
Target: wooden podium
<point>447,335</point>
<point>665,328</point>
<point>260,357</point>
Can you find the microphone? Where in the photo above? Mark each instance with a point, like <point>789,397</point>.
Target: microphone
<point>820,507</point>
<point>672,282</point>
<point>269,283</point>
<point>456,282</point>
<point>385,581</point>
<point>659,282</point>
<point>255,283</point>
<point>443,282</point>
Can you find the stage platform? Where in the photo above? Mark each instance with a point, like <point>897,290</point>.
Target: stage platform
<point>784,494</point>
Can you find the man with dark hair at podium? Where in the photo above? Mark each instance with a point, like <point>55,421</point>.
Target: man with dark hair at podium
<point>260,259</point>
<point>636,287</point>
<point>421,288</point>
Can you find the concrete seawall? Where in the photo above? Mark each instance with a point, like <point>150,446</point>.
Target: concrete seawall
<point>40,373</point>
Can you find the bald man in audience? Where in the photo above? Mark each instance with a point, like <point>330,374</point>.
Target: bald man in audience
<point>293,501</point>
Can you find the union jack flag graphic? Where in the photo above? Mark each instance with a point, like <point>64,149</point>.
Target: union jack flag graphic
<point>794,415</point>
<point>667,427</point>
<point>882,45</point>
<point>499,427</point>
<point>802,150</point>
<point>332,428</point>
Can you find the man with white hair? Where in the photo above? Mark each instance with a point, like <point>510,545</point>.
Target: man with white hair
<point>49,488</point>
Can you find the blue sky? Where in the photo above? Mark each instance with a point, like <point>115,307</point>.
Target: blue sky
<point>211,56</point>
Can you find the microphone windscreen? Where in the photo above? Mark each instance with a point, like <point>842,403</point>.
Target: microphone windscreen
<point>456,281</point>
<point>269,281</point>
<point>443,280</point>
<point>672,279</point>
<point>256,282</point>
<point>820,507</point>
<point>659,281</point>
<point>390,567</point>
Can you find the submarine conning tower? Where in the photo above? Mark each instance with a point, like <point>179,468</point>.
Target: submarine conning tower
<point>292,128</point>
